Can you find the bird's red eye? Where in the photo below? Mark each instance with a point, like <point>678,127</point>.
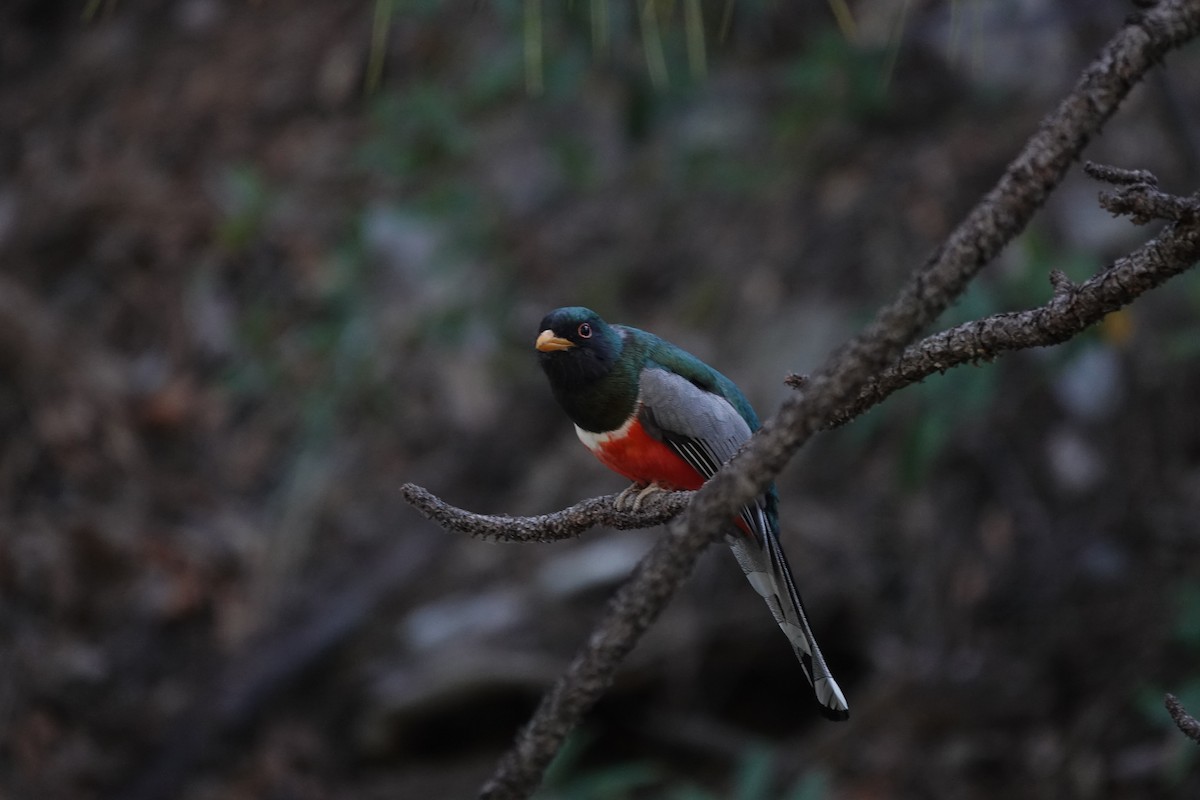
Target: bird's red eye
<point>585,331</point>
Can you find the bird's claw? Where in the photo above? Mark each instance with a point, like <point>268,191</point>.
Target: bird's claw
<point>623,499</point>
<point>638,493</point>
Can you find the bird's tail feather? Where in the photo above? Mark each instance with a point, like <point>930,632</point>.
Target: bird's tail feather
<point>767,569</point>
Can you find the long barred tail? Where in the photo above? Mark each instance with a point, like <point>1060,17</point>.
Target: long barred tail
<point>766,567</point>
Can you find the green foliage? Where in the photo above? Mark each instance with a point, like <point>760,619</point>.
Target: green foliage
<point>418,129</point>
<point>423,138</point>
<point>948,403</point>
<point>672,38</point>
<point>831,79</point>
<point>566,779</point>
<point>575,159</point>
<point>1027,283</point>
<point>812,786</point>
<point>754,778</point>
<point>246,200</point>
<point>314,350</point>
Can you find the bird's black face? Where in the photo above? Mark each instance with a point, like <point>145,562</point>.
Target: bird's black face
<point>575,346</point>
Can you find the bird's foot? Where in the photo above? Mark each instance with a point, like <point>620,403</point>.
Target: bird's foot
<point>639,494</point>
<point>628,496</point>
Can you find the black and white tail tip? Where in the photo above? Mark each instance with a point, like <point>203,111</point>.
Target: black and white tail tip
<point>768,572</point>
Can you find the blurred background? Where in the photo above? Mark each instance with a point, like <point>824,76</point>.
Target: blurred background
<point>261,263</point>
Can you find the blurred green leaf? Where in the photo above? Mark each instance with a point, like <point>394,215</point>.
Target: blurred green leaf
<point>1027,284</point>
<point>831,79</point>
<point>754,775</point>
<point>565,780</point>
<point>417,129</point>
<point>568,757</point>
<point>245,199</point>
<point>946,405</point>
<point>690,792</point>
<point>810,786</point>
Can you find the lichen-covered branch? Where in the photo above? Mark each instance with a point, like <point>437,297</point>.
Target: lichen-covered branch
<point>1071,308</point>
<point>1137,196</point>
<point>1186,722</point>
<point>655,509</point>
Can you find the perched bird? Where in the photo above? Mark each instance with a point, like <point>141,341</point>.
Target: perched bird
<point>666,420</point>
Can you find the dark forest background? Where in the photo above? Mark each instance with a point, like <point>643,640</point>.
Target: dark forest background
<point>243,299</point>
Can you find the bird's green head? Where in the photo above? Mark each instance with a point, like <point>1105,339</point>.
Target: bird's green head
<point>576,347</point>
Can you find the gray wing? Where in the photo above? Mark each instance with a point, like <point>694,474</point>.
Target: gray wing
<point>701,427</point>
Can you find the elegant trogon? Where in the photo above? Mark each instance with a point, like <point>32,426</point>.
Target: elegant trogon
<point>664,419</point>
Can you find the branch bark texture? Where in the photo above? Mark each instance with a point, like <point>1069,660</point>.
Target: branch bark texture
<point>1071,309</point>
<point>995,221</point>
<point>657,509</point>
<point>1186,722</point>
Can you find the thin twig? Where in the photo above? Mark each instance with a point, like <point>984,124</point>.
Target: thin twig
<point>1186,722</point>
<point>1071,309</point>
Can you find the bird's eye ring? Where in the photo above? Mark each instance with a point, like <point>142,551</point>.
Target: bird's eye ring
<point>585,331</point>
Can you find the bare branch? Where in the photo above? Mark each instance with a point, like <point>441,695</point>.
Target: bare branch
<point>1118,176</point>
<point>1071,309</point>
<point>1186,722</point>
<point>1137,196</point>
<point>656,509</point>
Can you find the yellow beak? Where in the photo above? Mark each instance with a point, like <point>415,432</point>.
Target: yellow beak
<point>547,342</point>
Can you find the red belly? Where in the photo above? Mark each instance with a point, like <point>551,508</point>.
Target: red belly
<point>643,459</point>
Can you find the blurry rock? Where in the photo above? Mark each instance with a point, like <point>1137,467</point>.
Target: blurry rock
<point>401,701</point>
<point>1102,560</point>
<point>406,243</point>
<point>468,617</point>
<point>1082,225</point>
<point>1077,466</point>
<point>519,169</point>
<point>76,662</point>
<point>199,17</point>
<point>725,118</point>
<point>469,393</point>
<point>211,316</point>
<point>340,74</point>
<point>998,42</point>
<point>593,565</point>
<point>1143,761</point>
<point>1089,386</point>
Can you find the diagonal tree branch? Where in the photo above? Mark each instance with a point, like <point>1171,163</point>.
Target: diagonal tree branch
<point>999,217</point>
<point>1071,309</point>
